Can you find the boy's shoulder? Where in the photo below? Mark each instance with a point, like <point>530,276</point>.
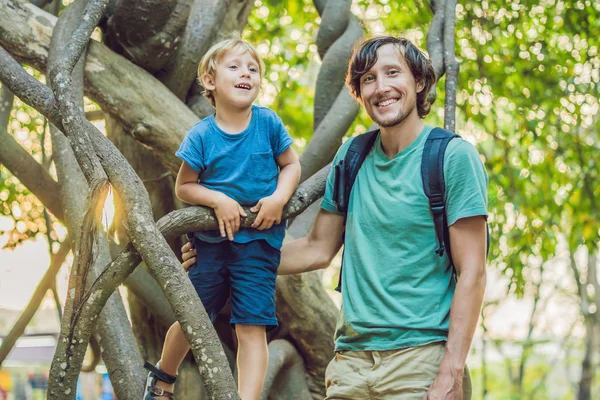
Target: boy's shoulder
<point>201,127</point>
<point>265,113</point>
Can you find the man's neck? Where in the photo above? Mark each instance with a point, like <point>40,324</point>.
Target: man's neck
<point>233,120</point>
<point>396,138</point>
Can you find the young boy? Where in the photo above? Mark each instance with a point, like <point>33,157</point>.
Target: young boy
<point>239,156</point>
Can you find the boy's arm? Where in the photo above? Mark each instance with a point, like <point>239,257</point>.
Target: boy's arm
<point>226,209</point>
<point>188,190</point>
<point>315,250</point>
<point>270,208</point>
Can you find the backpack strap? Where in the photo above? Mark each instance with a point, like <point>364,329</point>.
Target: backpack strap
<point>345,173</point>
<point>346,170</point>
<point>432,173</point>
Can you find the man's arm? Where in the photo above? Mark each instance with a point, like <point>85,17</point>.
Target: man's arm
<point>468,245</point>
<point>317,249</point>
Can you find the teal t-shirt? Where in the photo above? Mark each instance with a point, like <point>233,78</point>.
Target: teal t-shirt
<point>396,292</point>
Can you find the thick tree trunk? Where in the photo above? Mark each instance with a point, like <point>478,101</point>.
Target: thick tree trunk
<point>145,107</point>
<point>149,328</point>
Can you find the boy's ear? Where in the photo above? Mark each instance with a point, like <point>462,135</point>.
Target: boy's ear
<point>208,82</point>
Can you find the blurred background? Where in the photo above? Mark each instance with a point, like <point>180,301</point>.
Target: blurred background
<point>527,98</point>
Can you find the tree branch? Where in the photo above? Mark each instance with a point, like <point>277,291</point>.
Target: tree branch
<point>122,89</point>
<point>328,137</point>
<point>335,17</point>
<point>6,104</point>
<point>285,374</point>
<point>435,44</point>
<point>451,64</point>
<point>206,17</point>
<point>148,32</point>
<point>31,174</point>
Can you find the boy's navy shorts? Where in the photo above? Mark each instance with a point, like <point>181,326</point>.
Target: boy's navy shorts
<point>246,271</point>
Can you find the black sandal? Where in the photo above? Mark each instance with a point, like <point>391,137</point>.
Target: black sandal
<point>152,392</point>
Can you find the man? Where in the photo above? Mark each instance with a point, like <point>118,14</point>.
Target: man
<point>406,323</point>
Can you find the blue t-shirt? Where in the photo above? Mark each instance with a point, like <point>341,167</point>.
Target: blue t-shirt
<point>243,166</point>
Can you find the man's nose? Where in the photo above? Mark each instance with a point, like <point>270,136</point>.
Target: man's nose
<point>382,86</point>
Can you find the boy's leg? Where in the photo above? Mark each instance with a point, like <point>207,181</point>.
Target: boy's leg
<point>253,273</point>
<point>252,360</point>
<point>174,351</point>
<point>209,278</point>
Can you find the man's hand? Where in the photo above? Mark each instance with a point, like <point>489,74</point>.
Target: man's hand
<point>446,386</point>
<point>228,212</point>
<point>269,211</point>
<point>188,254</point>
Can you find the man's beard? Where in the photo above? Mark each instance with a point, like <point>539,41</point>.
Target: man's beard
<point>398,119</point>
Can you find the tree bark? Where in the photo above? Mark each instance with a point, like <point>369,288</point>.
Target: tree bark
<point>206,17</point>
<point>452,66</point>
<point>435,44</point>
<point>25,168</point>
<point>121,357</point>
<point>145,107</point>
<point>151,321</point>
<point>285,378</point>
<point>147,32</point>
<point>151,245</point>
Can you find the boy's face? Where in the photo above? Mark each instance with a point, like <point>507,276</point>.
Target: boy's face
<point>388,90</point>
<point>236,81</point>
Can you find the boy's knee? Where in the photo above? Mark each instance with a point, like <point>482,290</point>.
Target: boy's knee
<point>250,333</point>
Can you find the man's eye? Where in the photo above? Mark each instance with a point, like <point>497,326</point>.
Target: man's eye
<point>394,72</point>
<point>368,79</point>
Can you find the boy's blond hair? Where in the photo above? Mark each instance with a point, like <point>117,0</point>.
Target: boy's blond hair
<point>208,64</point>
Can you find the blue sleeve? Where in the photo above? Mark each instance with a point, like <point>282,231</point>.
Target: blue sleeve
<point>191,151</point>
<point>280,138</point>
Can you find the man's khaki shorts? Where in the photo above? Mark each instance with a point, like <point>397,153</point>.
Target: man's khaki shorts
<point>404,374</point>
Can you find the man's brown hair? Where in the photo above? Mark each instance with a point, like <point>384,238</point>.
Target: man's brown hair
<point>365,56</point>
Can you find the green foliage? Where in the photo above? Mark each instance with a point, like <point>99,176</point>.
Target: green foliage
<point>528,72</point>
<point>24,210</point>
<point>284,33</point>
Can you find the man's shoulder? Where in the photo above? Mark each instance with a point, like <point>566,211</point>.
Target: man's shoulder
<point>460,148</point>
<point>346,145</point>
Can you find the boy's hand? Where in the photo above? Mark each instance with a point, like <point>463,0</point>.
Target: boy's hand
<point>228,213</point>
<point>269,211</point>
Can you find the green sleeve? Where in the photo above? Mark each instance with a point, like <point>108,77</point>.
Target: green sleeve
<point>466,182</point>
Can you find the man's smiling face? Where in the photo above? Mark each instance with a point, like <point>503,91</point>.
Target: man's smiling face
<point>388,90</point>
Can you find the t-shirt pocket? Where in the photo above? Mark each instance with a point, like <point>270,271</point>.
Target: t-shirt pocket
<point>262,166</point>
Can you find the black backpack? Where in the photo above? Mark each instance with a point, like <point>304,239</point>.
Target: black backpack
<point>432,173</point>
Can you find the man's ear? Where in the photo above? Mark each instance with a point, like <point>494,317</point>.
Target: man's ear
<point>208,82</point>
<point>420,86</point>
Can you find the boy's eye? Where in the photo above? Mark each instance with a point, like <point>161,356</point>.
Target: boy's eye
<point>252,69</point>
<point>233,67</point>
